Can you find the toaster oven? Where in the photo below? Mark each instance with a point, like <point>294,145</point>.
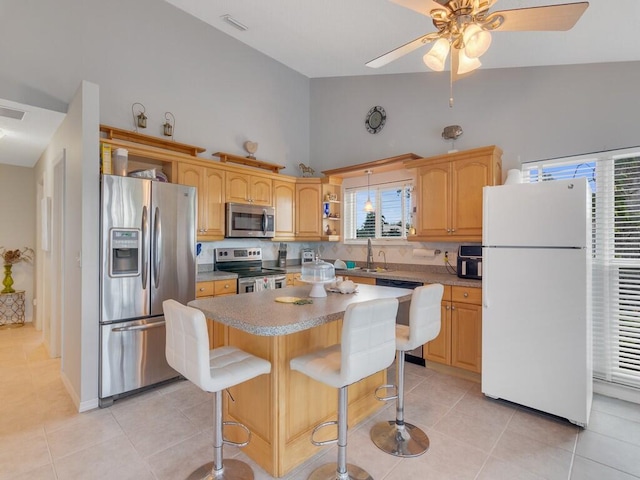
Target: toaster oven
<point>469,263</point>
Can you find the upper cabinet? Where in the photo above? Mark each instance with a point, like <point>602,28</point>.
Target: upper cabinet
<point>210,183</point>
<point>284,201</point>
<point>449,193</point>
<point>308,212</point>
<point>331,209</point>
<point>245,188</point>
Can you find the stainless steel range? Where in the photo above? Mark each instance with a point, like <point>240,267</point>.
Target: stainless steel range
<point>247,263</point>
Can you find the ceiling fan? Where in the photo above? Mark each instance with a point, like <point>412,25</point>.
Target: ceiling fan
<point>464,26</point>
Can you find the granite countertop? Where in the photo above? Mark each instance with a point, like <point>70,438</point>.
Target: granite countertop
<point>432,275</point>
<point>258,313</point>
<point>215,275</point>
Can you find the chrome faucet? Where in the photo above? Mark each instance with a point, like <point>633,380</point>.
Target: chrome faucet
<point>384,256</point>
<point>369,254</point>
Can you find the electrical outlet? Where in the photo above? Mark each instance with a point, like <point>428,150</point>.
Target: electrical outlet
<point>446,257</point>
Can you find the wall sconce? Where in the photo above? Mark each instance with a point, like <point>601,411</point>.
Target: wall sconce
<point>139,120</point>
<point>169,124</point>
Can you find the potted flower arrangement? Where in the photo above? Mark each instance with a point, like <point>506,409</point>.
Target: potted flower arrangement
<point>11,257</point>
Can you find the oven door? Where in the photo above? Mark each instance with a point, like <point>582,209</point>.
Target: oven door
<point>248,284</point>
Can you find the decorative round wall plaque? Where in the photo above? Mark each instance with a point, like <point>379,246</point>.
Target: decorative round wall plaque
<point>376,118</point>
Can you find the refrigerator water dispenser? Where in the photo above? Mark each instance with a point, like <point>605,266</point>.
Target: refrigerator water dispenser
<point>124,252</point>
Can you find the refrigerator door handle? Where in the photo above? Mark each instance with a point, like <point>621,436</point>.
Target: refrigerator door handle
<point>157,247</point>
<point>139,327</point>
<point>145,257</point>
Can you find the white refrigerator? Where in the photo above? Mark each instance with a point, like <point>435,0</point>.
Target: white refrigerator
<point>536,314</point>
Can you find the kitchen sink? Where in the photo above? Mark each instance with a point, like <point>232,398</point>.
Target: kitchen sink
<point>375,270</point>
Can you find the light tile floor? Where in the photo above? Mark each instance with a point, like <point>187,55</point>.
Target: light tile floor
<point>164,434</point>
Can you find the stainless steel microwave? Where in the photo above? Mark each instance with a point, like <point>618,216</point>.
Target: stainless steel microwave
<point>249,221</point>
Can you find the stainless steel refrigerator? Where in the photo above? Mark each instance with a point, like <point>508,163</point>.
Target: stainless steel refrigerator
<point>147,256</point>
<point>536,284</point>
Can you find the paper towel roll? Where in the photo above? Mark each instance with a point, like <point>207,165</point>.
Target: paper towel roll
<point>423,252</point>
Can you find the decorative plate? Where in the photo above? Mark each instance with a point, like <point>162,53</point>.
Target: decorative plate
<point>376,118</point>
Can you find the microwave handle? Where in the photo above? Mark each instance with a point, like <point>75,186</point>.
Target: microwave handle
<point>264,221</point>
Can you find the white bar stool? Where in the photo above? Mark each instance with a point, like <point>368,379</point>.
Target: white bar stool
<point>367,347</point>
<point>187,351</point>
<point>396,436</point>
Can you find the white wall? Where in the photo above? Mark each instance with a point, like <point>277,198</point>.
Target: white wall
<point>77,136</point>
<point>531,113</point>
<point>220,91</point>
<point>17,204</point>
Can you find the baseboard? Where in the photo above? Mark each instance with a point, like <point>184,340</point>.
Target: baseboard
<point>80,406</point>
<point>621,392</point>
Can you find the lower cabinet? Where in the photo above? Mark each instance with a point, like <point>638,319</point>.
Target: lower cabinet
<point>215,288</point>
<point>460,341</point>
<point>363,280</point>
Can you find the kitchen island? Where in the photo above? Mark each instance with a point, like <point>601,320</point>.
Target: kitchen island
<point>282,408</point>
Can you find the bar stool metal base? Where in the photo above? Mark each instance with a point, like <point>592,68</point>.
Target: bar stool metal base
<point>400,440</point>
<point>329,471</point>
<point>233,470</point>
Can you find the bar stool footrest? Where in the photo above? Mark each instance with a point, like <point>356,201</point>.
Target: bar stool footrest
<point>399,440</point>
<point>231,442</point>
<point>319,427</point>
<point>386,387</point>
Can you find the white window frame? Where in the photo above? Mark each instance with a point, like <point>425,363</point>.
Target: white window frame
<point>374,190</point>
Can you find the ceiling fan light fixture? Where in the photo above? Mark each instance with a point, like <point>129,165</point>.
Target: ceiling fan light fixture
<point>437,56</point>
<point>476,40</point>
<point>466,64</point>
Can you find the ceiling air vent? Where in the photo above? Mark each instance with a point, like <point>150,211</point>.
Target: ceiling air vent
<point>11,113</point>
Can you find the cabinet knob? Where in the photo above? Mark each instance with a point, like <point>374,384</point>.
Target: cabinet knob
<point>201,289</point>
<point>447,307</point>
<point>226,285</point>
<point>453,230</point>
<point>448,230</point>
<point>453,307</point>
<point>465,295</point>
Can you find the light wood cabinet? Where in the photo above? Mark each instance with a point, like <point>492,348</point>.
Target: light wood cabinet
<point>210,185</point>
<point>293,280</point>
<point>363,280</point>
<point>245,188</point>
<point>215,288</point>
<point>449,193</point>
<point>308,210</point>
<point>459,343</point>
<point>284,201</point>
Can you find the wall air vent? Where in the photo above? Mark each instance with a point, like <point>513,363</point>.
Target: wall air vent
<point>11,113</point>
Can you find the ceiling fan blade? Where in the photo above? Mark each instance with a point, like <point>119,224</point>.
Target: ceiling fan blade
<point>547,18</point>
<point>421,6</point>
<point>401,51</point>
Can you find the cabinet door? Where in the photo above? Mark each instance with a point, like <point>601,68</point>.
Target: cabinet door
<point>213,215</point>
<point>434,200</point>
<point>308,211</point>
<point>238,187</point>
<point>468,177</point>
<point>194,176</point>
<point>261,189</point>
<point>284,197</point>
<point>466,336</point>
<point>363,280</point>
<point>439,349</point>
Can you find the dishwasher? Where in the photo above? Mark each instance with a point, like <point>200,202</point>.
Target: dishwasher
<point>415,355</point>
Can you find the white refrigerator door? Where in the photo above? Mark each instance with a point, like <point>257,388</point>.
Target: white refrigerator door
<point>549,214</point>
<point>536,324</point>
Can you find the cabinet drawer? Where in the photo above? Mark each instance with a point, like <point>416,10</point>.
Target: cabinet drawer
<point>466,295</point>
<point>225,287</point>
<point>204,289</point>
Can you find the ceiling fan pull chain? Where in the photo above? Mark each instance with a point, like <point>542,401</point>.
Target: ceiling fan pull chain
<point>451,87</point>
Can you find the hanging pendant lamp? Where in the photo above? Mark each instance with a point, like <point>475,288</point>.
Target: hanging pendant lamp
<point>368,206</point>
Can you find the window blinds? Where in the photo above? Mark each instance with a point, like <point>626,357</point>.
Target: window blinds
<point>614,178</point>
<point>391,203</point>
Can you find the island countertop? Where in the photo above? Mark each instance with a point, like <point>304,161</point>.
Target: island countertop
<point>258,313</point>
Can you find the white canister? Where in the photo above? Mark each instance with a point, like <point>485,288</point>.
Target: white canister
<point>120,161</point>
<point>513,176</point>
